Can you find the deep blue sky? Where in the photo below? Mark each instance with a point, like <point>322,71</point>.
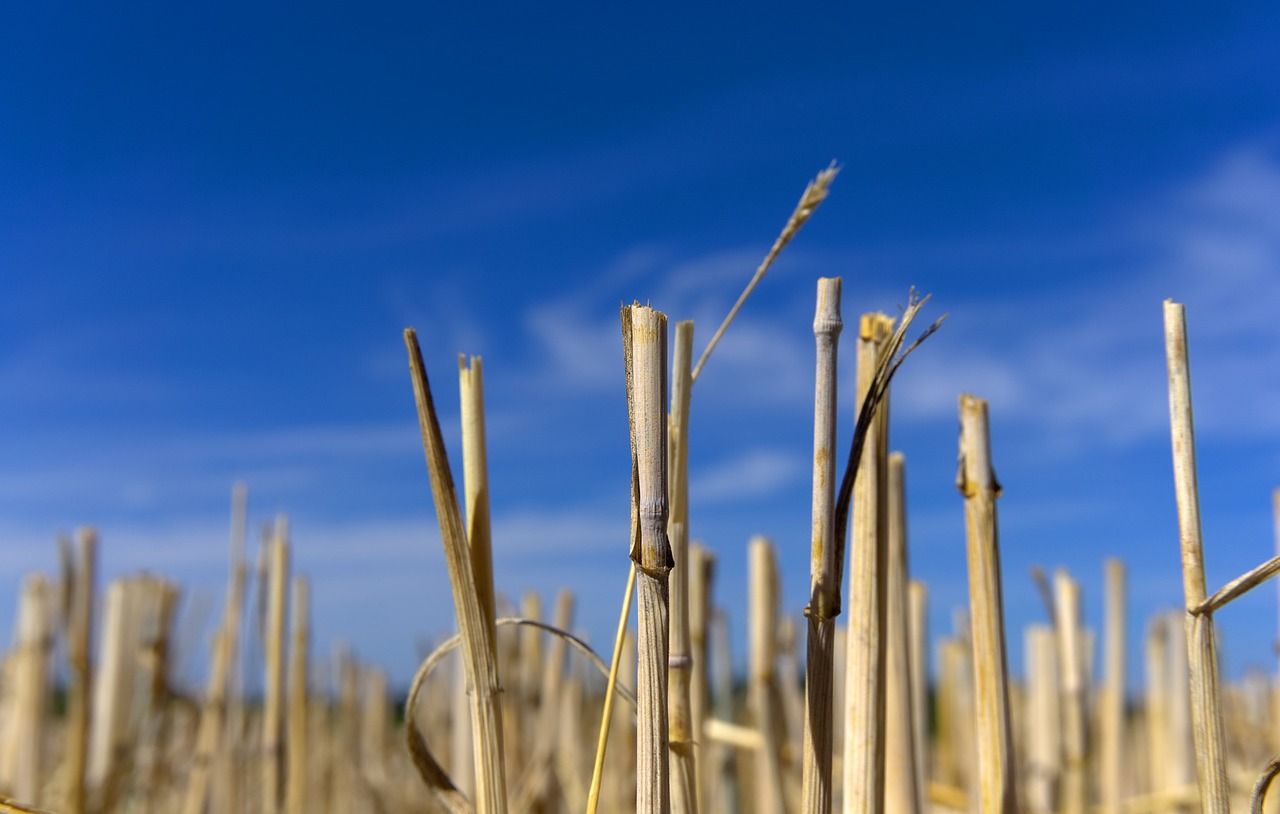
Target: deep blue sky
<point>216,221</point>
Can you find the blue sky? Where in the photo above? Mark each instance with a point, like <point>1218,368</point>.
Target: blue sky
<point>215,223</point>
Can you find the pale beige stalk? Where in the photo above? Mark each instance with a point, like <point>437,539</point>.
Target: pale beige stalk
<point>1112,756</point>
<point>1071,685</point>
<point>864,752</point>
<point>212,729</point>
<point>918,619</point>
<point>27,713</point>
<point>113,693</point>
<point>79,627</point>
<point>684,771</point>
<point>762,691</point>
<point>273,688</point>
<point>997,793</point>
<point>645,351</point>
<point>1043,720</point>
<point>475,478</point>
<point>700,574</point>
<point>901,790</point>
<point>477,630</point>
<point>1202,657</point>
<point>824,578</point>
<point>297,782</point>
<point>537,784</point>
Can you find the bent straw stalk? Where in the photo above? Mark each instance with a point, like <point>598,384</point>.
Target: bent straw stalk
<point>644,333</point>
<point>814,194</point>
<point>478,638</point>
<point>824,582</point>
<point>977,483</point>
<point>1206,712</point>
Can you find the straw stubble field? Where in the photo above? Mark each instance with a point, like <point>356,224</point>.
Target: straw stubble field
<point>510,714</point>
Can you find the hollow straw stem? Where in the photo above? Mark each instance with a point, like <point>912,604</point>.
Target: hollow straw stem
<point>645,349</point>
<point>993,741</point>
<point>865,672</point>
<point>478,638</point>
<point>684,772</point>
<point>1206,713</point>
<point>824,579</point>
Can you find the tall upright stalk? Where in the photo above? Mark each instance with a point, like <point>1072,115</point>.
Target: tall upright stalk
<point>901,792</point>
<point>296,780</point>
<point>762,690</point>
<point>478,636</point>
<point>79,626</point>
<point>1202,655</point>
<point>824,578</point>
<point>273,691</point>
<point>644,333</point>
<point>918,626</point>
<point>977,483</point>
<point>684,772</point>
<point>864,677</point>
<point>1112,759</point>
<point>1071,686</point>
<point>212,730</point>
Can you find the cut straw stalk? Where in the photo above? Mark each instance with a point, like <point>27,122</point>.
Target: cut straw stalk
<point>977,483</point>
<point>1112,759</point>
<point>79,625</point>
<point>212,728</point>
<point>23,746</point>
<point>824,578</point>
<point>1042,721</point>
<point>1206,712</point>
<point>918,626</point>
<point>902,791</point>
<point>1071,672</point>
<point>273,702</point>
<point>296,781</point>
<point>762,688</point>
<point>864,752</point>
<point>699,576</point>
<point>477,631</point>
<point>684,772</point>
<point>644,333</point>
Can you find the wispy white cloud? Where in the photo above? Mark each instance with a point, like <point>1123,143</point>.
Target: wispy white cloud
<point>751,474</point>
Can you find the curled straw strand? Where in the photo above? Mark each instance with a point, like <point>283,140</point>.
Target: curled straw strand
<point>453,800</point>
